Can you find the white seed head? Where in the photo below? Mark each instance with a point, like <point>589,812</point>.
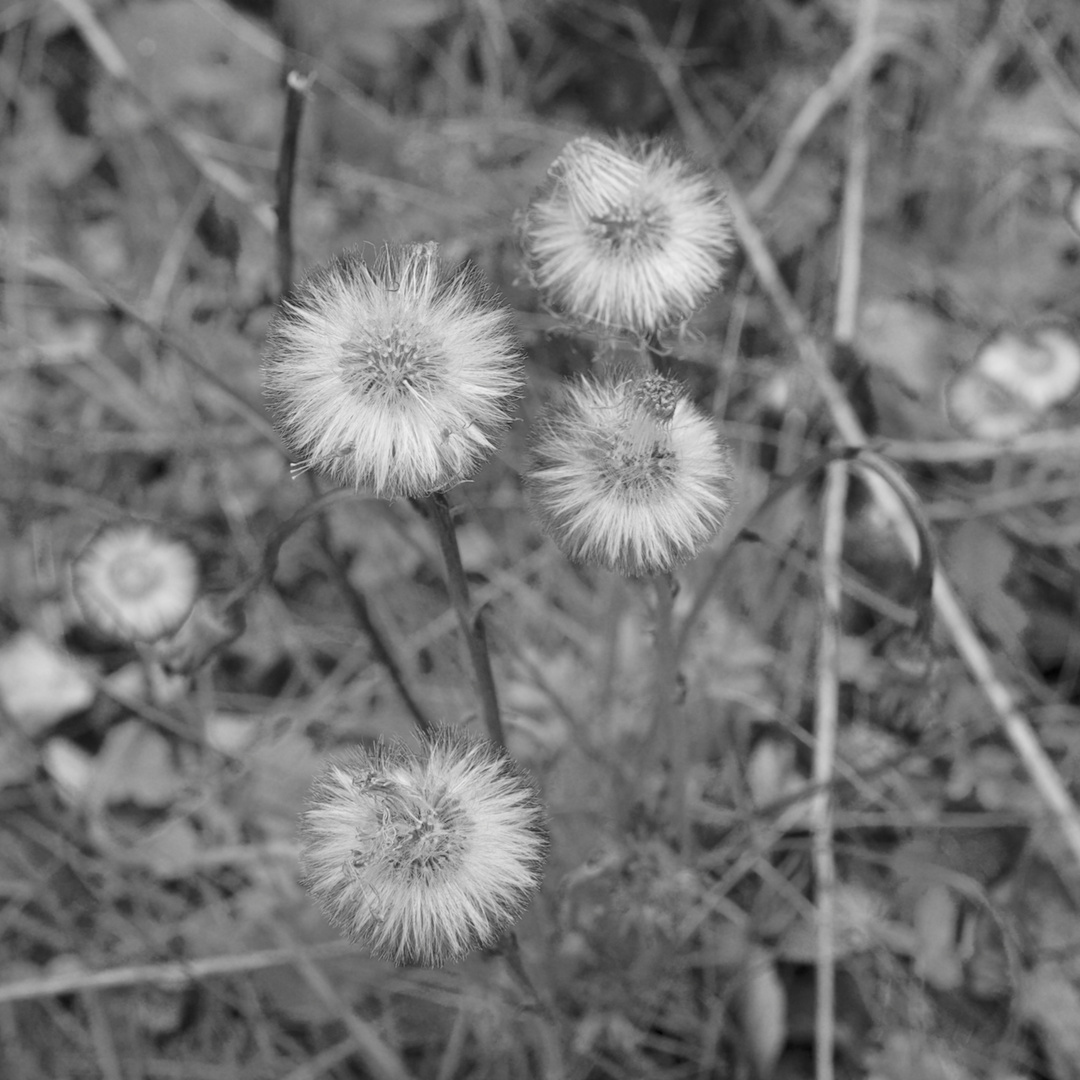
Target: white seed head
<point>629,475</point>
<point>626,236</point>
<point>395,374</point>
<point>424,856</point>
<point>135,583</point>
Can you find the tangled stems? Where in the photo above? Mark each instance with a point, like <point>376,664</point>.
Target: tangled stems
<point>472,626</point>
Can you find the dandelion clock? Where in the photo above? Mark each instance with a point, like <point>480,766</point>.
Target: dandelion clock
<point>629,475</point>
<point>394,372</point>
<point>424,856</point>
<point>626,236</point>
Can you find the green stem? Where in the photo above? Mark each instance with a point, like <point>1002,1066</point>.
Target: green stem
<point>472,625</point>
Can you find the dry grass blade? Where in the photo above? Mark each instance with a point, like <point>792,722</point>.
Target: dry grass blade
<point>826,716</point>
<point>173,973</point>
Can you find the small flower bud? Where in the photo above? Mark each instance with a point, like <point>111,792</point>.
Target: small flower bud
<point>629,475</point>
<point>395,374</point>
<point>135,583</point>
<point>626,235</point>
<point>424,856</point>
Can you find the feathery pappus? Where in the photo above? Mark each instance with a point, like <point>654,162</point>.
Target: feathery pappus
<point>629,474</point>
<point>626,235</point>
<point>424,855</point>
<point>395,373</point>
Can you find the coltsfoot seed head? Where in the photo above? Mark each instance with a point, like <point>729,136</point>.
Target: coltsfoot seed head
<point>395,373</point>
<point>626,235</point>
<point>629,475</point>
<point>424,856</point>
<point>135,583</point>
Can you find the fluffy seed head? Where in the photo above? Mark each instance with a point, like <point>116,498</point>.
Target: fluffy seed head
<point>424,856</point>
<point>629,474</point>
<point>135,583</point>
<point>626,235</point>
<point>395,373</point>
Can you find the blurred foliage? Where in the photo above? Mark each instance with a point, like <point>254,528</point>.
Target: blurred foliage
<point>148,818</point>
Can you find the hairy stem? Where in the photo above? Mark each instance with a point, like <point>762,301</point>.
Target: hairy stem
<point>472,625</point>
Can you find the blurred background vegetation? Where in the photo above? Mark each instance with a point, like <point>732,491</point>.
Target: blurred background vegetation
<point>151,925</point>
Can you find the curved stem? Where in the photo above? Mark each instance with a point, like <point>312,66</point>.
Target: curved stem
<point>472,625</point>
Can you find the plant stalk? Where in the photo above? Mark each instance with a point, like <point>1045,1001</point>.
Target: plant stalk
<point>470,622</point>
<point>666,713</point>
<point>297,85</point>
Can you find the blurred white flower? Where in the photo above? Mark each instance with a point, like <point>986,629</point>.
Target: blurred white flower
<point>135,583</point>
<point>1040,365</point>
<point>629,475</point>
<point>424,856</point>
<point>394,374</point>
<point>626,235</point>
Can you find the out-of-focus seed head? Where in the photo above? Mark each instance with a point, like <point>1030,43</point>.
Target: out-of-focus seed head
<point>134,582</point>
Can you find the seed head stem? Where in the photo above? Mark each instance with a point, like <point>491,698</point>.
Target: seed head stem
<point>470,622</point>
<point>297,86</point>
